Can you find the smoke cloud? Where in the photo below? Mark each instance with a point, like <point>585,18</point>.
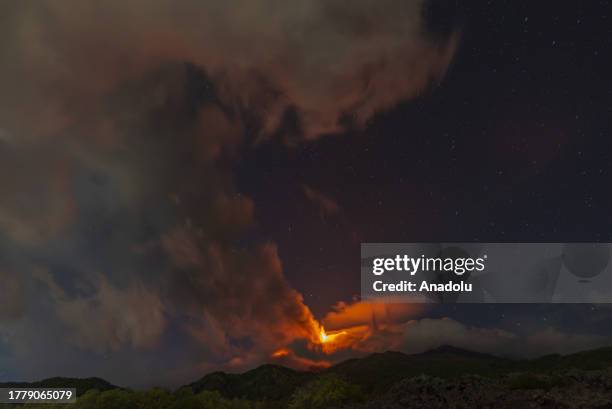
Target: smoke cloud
<point>372,328</point>
<point>120,122</point>
<point>326,61</point>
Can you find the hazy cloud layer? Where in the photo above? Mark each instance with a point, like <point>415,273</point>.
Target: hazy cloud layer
<point>425,334</point>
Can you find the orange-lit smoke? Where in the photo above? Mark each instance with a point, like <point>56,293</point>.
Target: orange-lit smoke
<point>359,326</point>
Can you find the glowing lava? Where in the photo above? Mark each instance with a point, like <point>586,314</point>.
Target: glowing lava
<point>281,353</point>
<point>327,338</point>
<point>360,326</point>
<point>323,335</point>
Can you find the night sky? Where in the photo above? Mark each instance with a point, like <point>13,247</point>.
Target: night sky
<point>178,198</point>
<point>513,146</point>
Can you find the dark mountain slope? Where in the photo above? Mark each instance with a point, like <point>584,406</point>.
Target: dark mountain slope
<point>378,371</point>
<point>267,382</point>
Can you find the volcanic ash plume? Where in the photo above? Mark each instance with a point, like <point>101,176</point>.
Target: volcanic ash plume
<point>327,61</point>
<point>120,124</point>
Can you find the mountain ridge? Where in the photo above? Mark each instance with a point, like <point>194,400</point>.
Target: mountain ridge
<point>374,372</point>
<point>378,371</point>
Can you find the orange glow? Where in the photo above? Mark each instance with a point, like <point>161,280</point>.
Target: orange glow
<point>359,326</point>
<point>332,341</point>
<point>329,337</point>
<point>283,352</point>
<point>323,335</point>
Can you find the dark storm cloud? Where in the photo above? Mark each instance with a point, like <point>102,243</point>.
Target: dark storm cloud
<point>119,125</point>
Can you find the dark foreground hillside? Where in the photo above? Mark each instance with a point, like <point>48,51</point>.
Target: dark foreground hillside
<point>571,390</point>
<point>446,377</point>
